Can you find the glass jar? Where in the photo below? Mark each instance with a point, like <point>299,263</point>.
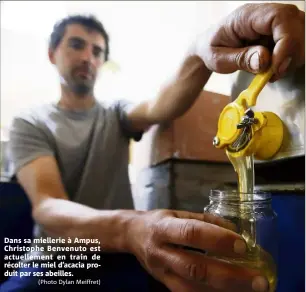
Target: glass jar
<point>256,221</point>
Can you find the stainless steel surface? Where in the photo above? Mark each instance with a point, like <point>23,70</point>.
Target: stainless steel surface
<point>286,98</point>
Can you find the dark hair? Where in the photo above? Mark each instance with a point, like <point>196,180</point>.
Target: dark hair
<point>89,22</point>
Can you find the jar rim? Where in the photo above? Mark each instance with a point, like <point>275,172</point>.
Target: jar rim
<point>233,195</point>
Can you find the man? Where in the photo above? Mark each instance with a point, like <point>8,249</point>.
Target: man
<point>72,157</point>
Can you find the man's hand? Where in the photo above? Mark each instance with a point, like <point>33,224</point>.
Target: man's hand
<point>166,244</point>
<point>251,39</point>
<point>255,36</point>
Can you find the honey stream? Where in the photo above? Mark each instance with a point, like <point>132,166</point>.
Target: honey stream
<point>257,257</point>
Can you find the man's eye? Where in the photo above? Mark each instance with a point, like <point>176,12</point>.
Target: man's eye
<point>97,53</point>
<point>77,45</point>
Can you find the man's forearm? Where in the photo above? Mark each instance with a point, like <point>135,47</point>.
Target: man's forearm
<point>176,98</point>
<point>63,218</point>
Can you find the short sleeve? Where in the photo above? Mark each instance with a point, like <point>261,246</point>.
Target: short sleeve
<point>26,143</point>
<point>123,108</point>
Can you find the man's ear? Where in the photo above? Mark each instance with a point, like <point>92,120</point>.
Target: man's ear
<point>51,54</point>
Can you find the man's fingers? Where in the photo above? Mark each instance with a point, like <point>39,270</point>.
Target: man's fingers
<point>211,272</point>
<point>254,59</point>
<point>288,30</point>
<point>206,217</point>
<point>177,284</point>
<point>286,26</point>
<point>200,235</point>
<point>209,218</point>
<point>280,26</point>
<point>282,56</point>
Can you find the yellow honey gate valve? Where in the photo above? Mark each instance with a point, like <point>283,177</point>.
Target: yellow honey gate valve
<point>243,132</point>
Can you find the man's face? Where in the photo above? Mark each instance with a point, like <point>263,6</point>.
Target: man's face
<point>78,57</point>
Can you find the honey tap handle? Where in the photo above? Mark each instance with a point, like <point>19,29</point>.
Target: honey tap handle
<point>249,96</point>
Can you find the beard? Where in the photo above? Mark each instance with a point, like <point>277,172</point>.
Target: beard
<point>81,88</point>
<point>80,84</point>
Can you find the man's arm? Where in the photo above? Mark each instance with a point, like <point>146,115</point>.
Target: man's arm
<point>233,44</point>
<point>154,237</point>
<point>175,98</point>
<point>60,217</point>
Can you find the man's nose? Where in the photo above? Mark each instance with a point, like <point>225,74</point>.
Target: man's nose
<point>87,55</point>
